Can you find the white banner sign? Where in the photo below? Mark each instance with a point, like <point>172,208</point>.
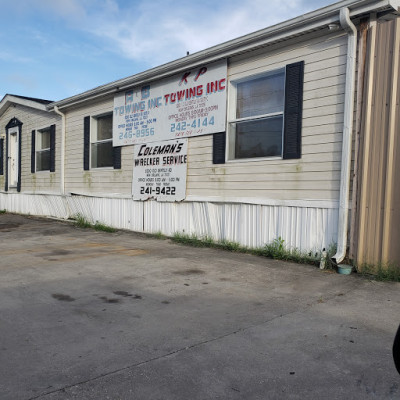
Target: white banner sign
<point>190,104</point>
<point>159,171</point>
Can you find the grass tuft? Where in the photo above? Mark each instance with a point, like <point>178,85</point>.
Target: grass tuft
<point>83,222</point>
<point>232,246</point>
<point>98,226</point>
<point>3,211</point>
<point>279,251</point>
<point>380,272</point>
<point>157,235</point>
<point>193,240</point>
<point>276,249</point>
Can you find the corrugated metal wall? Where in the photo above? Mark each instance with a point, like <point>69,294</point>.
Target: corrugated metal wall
<point>378,194</point>
<point>253,225</point>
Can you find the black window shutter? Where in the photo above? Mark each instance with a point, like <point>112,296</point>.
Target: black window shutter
<point>33,152</point>
<point>219,142</point>
<point>293,110</point>
<point>117,157</point>
<point>1,156</point>
<point>86,142</point>
<point>52,148</point>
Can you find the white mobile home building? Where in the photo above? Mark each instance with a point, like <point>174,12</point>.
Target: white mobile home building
<point>248,141</point>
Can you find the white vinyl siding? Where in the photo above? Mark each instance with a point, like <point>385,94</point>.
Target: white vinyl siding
<point>316,176</point>
<point>313,177</point>
<point>33,119</point>
<point>100,181</point>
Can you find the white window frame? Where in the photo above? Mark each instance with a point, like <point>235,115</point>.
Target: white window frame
<point>232,102</point>
<point>93,137</point>
<point>37,150</point>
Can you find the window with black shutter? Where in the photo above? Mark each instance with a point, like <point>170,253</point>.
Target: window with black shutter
<point>101,148</point>
<point>98,150</point>
<point>265,120</point>
<point>43,149</point>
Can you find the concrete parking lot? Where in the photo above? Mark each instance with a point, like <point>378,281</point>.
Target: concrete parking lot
<point>94,315</point>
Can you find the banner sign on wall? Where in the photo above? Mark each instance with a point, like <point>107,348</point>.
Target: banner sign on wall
<point>159,170</point>
<point>189,104</point>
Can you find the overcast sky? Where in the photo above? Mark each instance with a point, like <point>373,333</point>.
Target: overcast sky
<point>53,49</point>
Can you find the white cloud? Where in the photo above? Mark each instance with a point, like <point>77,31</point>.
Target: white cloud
<point>160,31</point>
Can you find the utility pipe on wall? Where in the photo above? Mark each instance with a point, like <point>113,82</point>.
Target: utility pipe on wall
<point>62,171</point>
<point>349,27</point>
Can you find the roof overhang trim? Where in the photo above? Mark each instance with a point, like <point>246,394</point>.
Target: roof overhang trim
<point>9,99</point>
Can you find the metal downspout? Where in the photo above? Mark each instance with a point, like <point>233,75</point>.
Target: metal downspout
<point>349,27</point>
<point>62,171</point>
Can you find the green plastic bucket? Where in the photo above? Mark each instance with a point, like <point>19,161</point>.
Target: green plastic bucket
<point>344,269</point>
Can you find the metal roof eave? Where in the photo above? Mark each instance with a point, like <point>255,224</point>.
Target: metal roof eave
<point>300,25</point>
<point>9,99</point>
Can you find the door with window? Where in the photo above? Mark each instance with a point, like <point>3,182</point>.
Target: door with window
<point>13,157</point>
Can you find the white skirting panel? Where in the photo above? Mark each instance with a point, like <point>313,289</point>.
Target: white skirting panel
<point>252,225</point>
<point>115,212</point>
<point>35,204</point>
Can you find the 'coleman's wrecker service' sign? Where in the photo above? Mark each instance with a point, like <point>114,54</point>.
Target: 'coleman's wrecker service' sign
<point>190,104</point>
<point>159,170</point>
<point>158,117</point>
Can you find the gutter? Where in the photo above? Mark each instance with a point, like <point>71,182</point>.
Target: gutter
<point>63,131</point>
<point>349,27</point>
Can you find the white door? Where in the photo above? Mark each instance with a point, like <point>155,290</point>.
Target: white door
<point>13,159</point>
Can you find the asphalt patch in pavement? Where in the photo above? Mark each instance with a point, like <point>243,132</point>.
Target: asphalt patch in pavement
<point>4,227</point>
<point>60,252</point>
<point>122,293</point>
<point>193,271</point>
<point>110,301</point>
<point>53,253</point>
<point>62,297</point>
